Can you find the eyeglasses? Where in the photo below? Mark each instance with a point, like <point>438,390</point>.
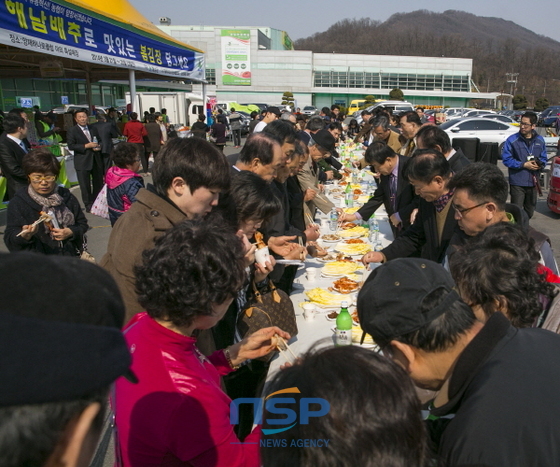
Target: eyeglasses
<point>525,124</point>
<point>462,212</point>
<point>41,178</point>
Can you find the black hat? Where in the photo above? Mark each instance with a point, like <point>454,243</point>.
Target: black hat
<point>60,337</point>
<point>323,138</point>
<point>274,110</point>
<point>390,301</point>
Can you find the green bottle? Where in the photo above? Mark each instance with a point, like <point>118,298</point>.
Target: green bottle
<point>349,196</point>
<point>344,326</point>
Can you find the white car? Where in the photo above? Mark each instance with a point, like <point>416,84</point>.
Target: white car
<point>310,110</point>
<point>485,129</point>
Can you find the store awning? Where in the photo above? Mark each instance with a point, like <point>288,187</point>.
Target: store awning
<point>98,34</point>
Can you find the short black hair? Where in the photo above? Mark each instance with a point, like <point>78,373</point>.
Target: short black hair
<point>335,125</point>
<point>326,111</point>
<point>315,123</point>
<point>378,152</point>
<point>444,331</point>
<point>282,130</point>
<point>432,136</point>
<point>335,106</point>
<point>254,114</point>
<point>82,110</point>
<point>201,117</point>
<point>259,145</point>
<point>195,160</point>
<point>40,160</point>
<point>483,182</point>
<point>151,118</point>
<point>134,115</point>
<point>532,116</point>
<point>17,111</point>
<point>365,112</point>
<point>194,266</point>
<point>124,154</point>
<point>374,416</point>
<point>420,108</point>
<point>427,164</point>
<point>250,197</point>
<point>31,433</point>
<point>412,117</point>
<point>499,266</point>
<point>12,123</point>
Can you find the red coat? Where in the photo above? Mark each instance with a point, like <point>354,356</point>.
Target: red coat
<point>135,131</point>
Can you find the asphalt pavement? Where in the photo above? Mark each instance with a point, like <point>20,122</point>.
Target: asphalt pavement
<point>100,229</point>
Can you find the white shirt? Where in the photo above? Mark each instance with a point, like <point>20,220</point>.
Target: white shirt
<point>259,127</point>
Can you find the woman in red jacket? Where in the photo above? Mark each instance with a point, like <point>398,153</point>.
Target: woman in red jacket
<point>135,131</point>
<point>177,414</point>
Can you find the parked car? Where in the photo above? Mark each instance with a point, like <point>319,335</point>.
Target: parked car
<point>476,113</point>
<point>485,129</point>
<point>397,107</point>
<point>549,116</point>
<point>69,108</point>
<point>501,118</point>
<point>310,110</point>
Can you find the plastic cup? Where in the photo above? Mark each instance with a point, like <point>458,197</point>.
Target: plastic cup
<point>308,311</point>
<point>311,274</point>
<point>262,256</point>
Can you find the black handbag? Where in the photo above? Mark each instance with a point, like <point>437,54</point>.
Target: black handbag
<point>269,307</point>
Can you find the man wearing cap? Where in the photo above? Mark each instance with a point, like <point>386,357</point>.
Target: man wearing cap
<point>60,350</point>
<point>429,173</point>
<point>271,114</point>
<point>498,385</point>
<point>320,146</point>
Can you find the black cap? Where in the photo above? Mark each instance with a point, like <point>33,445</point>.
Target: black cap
<point>323,138</point>
<point>390,301</point>
<point>274,110</point>
<point>60,337</point>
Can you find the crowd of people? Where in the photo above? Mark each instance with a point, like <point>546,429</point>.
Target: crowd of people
<point>466,303</point>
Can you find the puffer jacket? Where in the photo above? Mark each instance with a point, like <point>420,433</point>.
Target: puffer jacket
<point>122,186</point>
<point>516,151</point>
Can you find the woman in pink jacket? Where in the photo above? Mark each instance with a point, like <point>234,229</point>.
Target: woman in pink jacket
<point>177,414</point>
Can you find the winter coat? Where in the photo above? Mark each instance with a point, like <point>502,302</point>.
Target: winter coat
<point>122,186</point>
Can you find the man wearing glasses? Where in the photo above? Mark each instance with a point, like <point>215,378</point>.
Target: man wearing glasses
<point>479,201</point>
<point>524,154</point>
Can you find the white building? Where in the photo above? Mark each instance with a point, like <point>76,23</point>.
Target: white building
<point>270,66</point>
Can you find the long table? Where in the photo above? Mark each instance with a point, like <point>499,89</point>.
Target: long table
<point>320,330</point>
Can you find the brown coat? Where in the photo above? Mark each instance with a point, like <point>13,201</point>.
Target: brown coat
<point>148,218</point>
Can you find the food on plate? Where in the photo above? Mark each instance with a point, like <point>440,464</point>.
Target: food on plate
<point>356,249</point>
<point>336,190</point>
<point>354,232</point>
<point>259,240</point>
<point>357,191</point>
<point>332,315</point>
<point>341,268</point>
<point>352,241</point>
<point>348,225</point>
<point>345,285</point>
<point>355,318</point>
<point>330,237</point>
<point>343,183</point>
<point>316,250</point>
<point>357,336</point>
<point>351,210</point>
<point>324,298</point>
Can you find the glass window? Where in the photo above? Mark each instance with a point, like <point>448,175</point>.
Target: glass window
<point>467,126</point>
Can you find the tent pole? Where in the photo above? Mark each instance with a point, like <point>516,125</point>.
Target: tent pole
<point>88,92</point>
<point>204,91</point>
<point>132,85</point>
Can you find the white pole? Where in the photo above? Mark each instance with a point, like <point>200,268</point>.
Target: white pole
<point>132,85</point>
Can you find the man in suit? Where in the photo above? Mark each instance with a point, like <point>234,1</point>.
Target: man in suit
<point>320,146</point>
<point>87,157</point>
<point>410,125</point>
<point>393,190</point>
<point>107,131</point>
<point>429,173</point>
<point>364,134</point>
<point>12,150</point>
<point>433,137</point>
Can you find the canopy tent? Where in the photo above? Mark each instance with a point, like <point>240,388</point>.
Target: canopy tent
<point>89,39</point>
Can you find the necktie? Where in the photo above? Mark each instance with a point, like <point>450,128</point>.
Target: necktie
<point>86,132</point>
<point>393,191</point>
<point>22,146</point>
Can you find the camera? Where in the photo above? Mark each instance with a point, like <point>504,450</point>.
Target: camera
<point>532,158</point>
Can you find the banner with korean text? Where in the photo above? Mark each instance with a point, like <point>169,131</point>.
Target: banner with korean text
<point>66,30</point>
<point>236,57</point>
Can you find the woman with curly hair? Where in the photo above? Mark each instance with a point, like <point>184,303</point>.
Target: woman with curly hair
<point>177,413</point>
<point>499,271</point>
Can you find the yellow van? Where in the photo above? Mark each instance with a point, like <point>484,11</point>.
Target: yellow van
<point>355,105</point>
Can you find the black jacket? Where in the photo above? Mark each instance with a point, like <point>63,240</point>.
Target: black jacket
<point>83,158</point>
<point>22,210</point>
<point>295,201</point>
<point>458,160</point>
<point>504,395</point>
<point>107,131</point>
<point>406,200</point>
<point>11,156</point>
<point>423,235</point>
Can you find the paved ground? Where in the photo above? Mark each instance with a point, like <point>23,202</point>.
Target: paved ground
<point>98,237</point>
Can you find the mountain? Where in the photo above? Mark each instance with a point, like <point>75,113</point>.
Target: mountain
<point>496,46</point>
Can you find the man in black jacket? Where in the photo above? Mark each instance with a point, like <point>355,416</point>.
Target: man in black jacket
<point>107,131</point>
<point>498,385</point>
<point>429,172</point>
<point>394,191</point>
<point>12,150</point>
<point>433,137</point>
<point>87,157</point>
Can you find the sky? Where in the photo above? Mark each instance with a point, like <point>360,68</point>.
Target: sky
<point>303,18</point>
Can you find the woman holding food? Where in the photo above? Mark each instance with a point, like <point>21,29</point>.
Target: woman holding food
<point>177,413</point>
<point>62,223</point>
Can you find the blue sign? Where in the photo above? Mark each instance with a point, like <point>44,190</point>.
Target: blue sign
<point>64,100</point>
<point>62,29</point>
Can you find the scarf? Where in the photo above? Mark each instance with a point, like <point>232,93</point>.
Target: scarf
<point>442,201</point>
<point>55,204</point>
